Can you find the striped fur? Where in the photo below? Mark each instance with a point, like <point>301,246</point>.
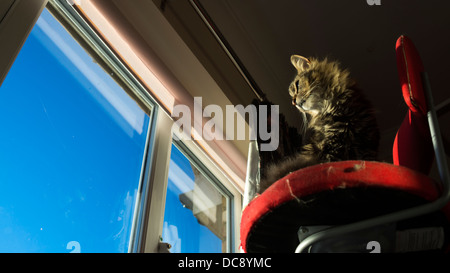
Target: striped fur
<point>338,121</point>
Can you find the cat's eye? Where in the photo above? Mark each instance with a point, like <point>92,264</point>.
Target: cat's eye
<point>297,85</point>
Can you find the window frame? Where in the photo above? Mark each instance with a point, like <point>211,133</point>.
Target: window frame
<point>15,27</point>
<point>224,182</point>
<point>189,154</point>
<point>77,26</point>
<point>18,21</point>
<point>159,180</point>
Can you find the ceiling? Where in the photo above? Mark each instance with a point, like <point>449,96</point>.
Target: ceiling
<point>263,34</point>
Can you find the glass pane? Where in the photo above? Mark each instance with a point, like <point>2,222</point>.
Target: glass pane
<point>71,150</point>
<point>195,218</point>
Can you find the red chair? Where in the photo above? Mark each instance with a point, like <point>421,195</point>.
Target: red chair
<point>362,206</point>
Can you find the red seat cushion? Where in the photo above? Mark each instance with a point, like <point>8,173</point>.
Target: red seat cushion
<point>329,194</point>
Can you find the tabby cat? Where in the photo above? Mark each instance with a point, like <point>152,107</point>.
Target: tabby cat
<point>338,121</point>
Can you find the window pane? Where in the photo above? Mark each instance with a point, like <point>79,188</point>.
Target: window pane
<point>71,150</point>
<point>195,218</point>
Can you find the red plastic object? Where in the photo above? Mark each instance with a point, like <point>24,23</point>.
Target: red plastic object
<point>328,177</point>
<point>409,66</point>
<point>412,145</point>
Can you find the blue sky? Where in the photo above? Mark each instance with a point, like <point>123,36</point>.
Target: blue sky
<point>181,229</point>
<point>71,149</point>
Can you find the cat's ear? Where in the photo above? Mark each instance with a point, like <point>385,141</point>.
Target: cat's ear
<point>299,62</point>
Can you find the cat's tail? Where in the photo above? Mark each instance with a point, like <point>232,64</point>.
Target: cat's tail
<point>277,171</point>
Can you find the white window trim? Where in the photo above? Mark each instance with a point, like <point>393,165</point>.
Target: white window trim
<point>159,180</point>
<point>161,82</point>
<point>226,182</point>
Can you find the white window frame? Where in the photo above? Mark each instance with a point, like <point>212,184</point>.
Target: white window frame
<point>219,175</point>
<point>159,181</point>
<point>15,25</point>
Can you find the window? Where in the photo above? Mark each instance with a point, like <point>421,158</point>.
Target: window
<point>72,150</point>
<point>197,211</point>
<point>85,152</point>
